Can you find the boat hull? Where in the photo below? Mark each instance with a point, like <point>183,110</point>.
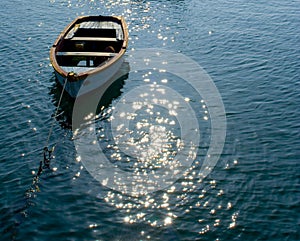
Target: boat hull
<point>91,82</point>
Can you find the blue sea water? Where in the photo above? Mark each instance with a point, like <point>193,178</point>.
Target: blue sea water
<point>250,49</point>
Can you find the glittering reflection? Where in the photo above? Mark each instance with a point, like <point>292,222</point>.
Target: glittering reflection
<point>150,139</point>
<point>146,139</point>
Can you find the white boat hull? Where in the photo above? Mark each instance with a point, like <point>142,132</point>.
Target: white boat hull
<point>92,81</point>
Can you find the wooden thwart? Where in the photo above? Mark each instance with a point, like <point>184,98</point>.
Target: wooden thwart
<point>87,54</point>
<point>94,39</point>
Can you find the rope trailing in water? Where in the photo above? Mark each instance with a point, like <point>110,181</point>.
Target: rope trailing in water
<point>53,121</point>
<point>47,152</point>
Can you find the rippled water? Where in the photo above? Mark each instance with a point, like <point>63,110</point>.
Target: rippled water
<point>251,51</point>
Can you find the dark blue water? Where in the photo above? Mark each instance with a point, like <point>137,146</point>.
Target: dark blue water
<point>251,50</point>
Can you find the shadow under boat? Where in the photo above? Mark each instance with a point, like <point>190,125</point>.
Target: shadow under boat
<point>103,95</point>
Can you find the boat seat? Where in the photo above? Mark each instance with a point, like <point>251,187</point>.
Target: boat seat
<point>87,54</point>
<point>95,39</point>
<point>77,69</point>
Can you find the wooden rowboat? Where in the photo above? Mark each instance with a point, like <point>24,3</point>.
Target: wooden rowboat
<point>89,52</point>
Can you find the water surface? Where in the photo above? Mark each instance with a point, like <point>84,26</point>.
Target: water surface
<point>251,51</point>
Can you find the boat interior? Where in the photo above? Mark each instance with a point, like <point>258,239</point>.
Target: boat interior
<point>89,45</point>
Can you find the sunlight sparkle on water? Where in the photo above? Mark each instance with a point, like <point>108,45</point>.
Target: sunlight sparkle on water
<point>168,221</point>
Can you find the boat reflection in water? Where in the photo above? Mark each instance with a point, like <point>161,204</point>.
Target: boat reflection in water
<point>104,96</point>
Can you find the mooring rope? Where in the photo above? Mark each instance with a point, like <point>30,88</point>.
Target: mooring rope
<point>54,117</point>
